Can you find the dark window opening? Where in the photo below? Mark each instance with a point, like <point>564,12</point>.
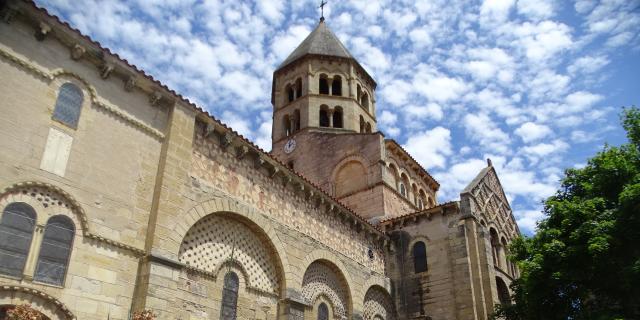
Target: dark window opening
<point>290,93</point>
<point>324,86</point>
<point>324,118</point>
<point>337,119</point>
<point>336,86</point>
<point>298,88</point>
<point>323,312</point>
<point>419,257</point>
<point>290,164</point>
<point>229,297</point>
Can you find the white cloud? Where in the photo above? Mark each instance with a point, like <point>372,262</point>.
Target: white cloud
<point>531,131</point>
<point>588,64</point>
<point>536,9</point>
<point>439,88</point>
<point>387,118</point>
<point>432,111</point>
<point>397,92</point>
<point>496,10</point>
<point>544,149</point>
<point>581,100</point>
<point>481,128</point>
<point>527,220</point>
<point>431,147</point>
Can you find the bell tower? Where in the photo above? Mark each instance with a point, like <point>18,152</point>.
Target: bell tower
<point>320,87</point>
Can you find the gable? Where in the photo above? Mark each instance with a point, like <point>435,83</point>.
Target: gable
<point>484,197</point>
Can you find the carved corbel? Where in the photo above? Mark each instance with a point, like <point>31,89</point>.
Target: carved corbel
<point>275,170</point>
<point>42,31</point>
<point>259,162</point>
<point>77,52</point>
<point>105,69</point>
<point>286,180</point>
<point>130,83</point>
<point>242,151</point>
<point>226,140</point>
<point>211,129</point>
<point>155,97</point>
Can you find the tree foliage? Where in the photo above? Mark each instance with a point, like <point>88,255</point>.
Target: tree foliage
<point>584,260</point>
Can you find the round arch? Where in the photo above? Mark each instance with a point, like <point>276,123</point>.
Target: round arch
<point>377,304</point>
<point>218,206</point>
<point>339,293</point>
<point>73,205</point>
<point>39,300</point>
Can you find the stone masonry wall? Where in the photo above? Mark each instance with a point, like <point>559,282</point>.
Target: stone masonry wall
<point>108,179</point>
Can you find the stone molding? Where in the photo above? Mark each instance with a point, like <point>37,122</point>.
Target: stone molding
<point>95,99</point>
<point>40,294</point>
<point>75,208</point>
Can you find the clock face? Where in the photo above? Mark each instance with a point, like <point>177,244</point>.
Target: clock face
<point>290,146</point>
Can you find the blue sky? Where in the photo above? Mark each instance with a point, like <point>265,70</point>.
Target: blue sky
<point>535,85</point>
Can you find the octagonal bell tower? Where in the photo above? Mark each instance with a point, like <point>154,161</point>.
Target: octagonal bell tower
<point>320,87</point>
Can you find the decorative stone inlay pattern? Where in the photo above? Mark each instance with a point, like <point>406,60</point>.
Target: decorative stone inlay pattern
<point>321,279</point>
<point>378,305</point>
<point>488,197</point>
<point>221,170</point>
<point>217,239</point>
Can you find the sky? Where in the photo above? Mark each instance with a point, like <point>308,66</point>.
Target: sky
<point>535,85</point>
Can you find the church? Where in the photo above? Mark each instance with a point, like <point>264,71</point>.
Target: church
<point>117,195</point>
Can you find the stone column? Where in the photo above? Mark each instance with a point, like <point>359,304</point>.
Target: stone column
<point>330,114</point>
<point>34,252</point>
<point>330,84</point>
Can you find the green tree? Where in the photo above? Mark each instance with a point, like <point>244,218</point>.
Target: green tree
<point>584,260</point>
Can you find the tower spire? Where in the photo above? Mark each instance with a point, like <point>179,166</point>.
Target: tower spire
<point>322,4</point>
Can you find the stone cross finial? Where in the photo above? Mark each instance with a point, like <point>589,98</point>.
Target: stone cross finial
<point>322,4</point>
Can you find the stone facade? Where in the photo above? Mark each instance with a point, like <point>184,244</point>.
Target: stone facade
<point>166,205</point>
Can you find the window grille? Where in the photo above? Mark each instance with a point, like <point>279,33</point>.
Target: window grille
<point>16,232</point>
<point>68,105</point>
<point>229,297</point>
<point>55,250</point>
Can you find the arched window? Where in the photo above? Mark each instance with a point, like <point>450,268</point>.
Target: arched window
<point>16,231</point>
<point>414,193</point>
<point>324,118</point>
<point>323,85</point>
<point>361,124</point>
<point>296,120</point>
<point>290,93</point>
<point>365,100</point>
<point>495,247</point>
<point>323,312</point>
<point>55,251</point>
<point>298,88</point>
<point>358,93</point>
<point>286,124</point>
<point>68,105</point>
<point>419,257</point>
<point>368,127</point>
<point>503,291</point>
<point>336,86</point>
<point>229,296</point>
<point>506,263</point>
<point>403,190</point>
<point>337,117</point>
